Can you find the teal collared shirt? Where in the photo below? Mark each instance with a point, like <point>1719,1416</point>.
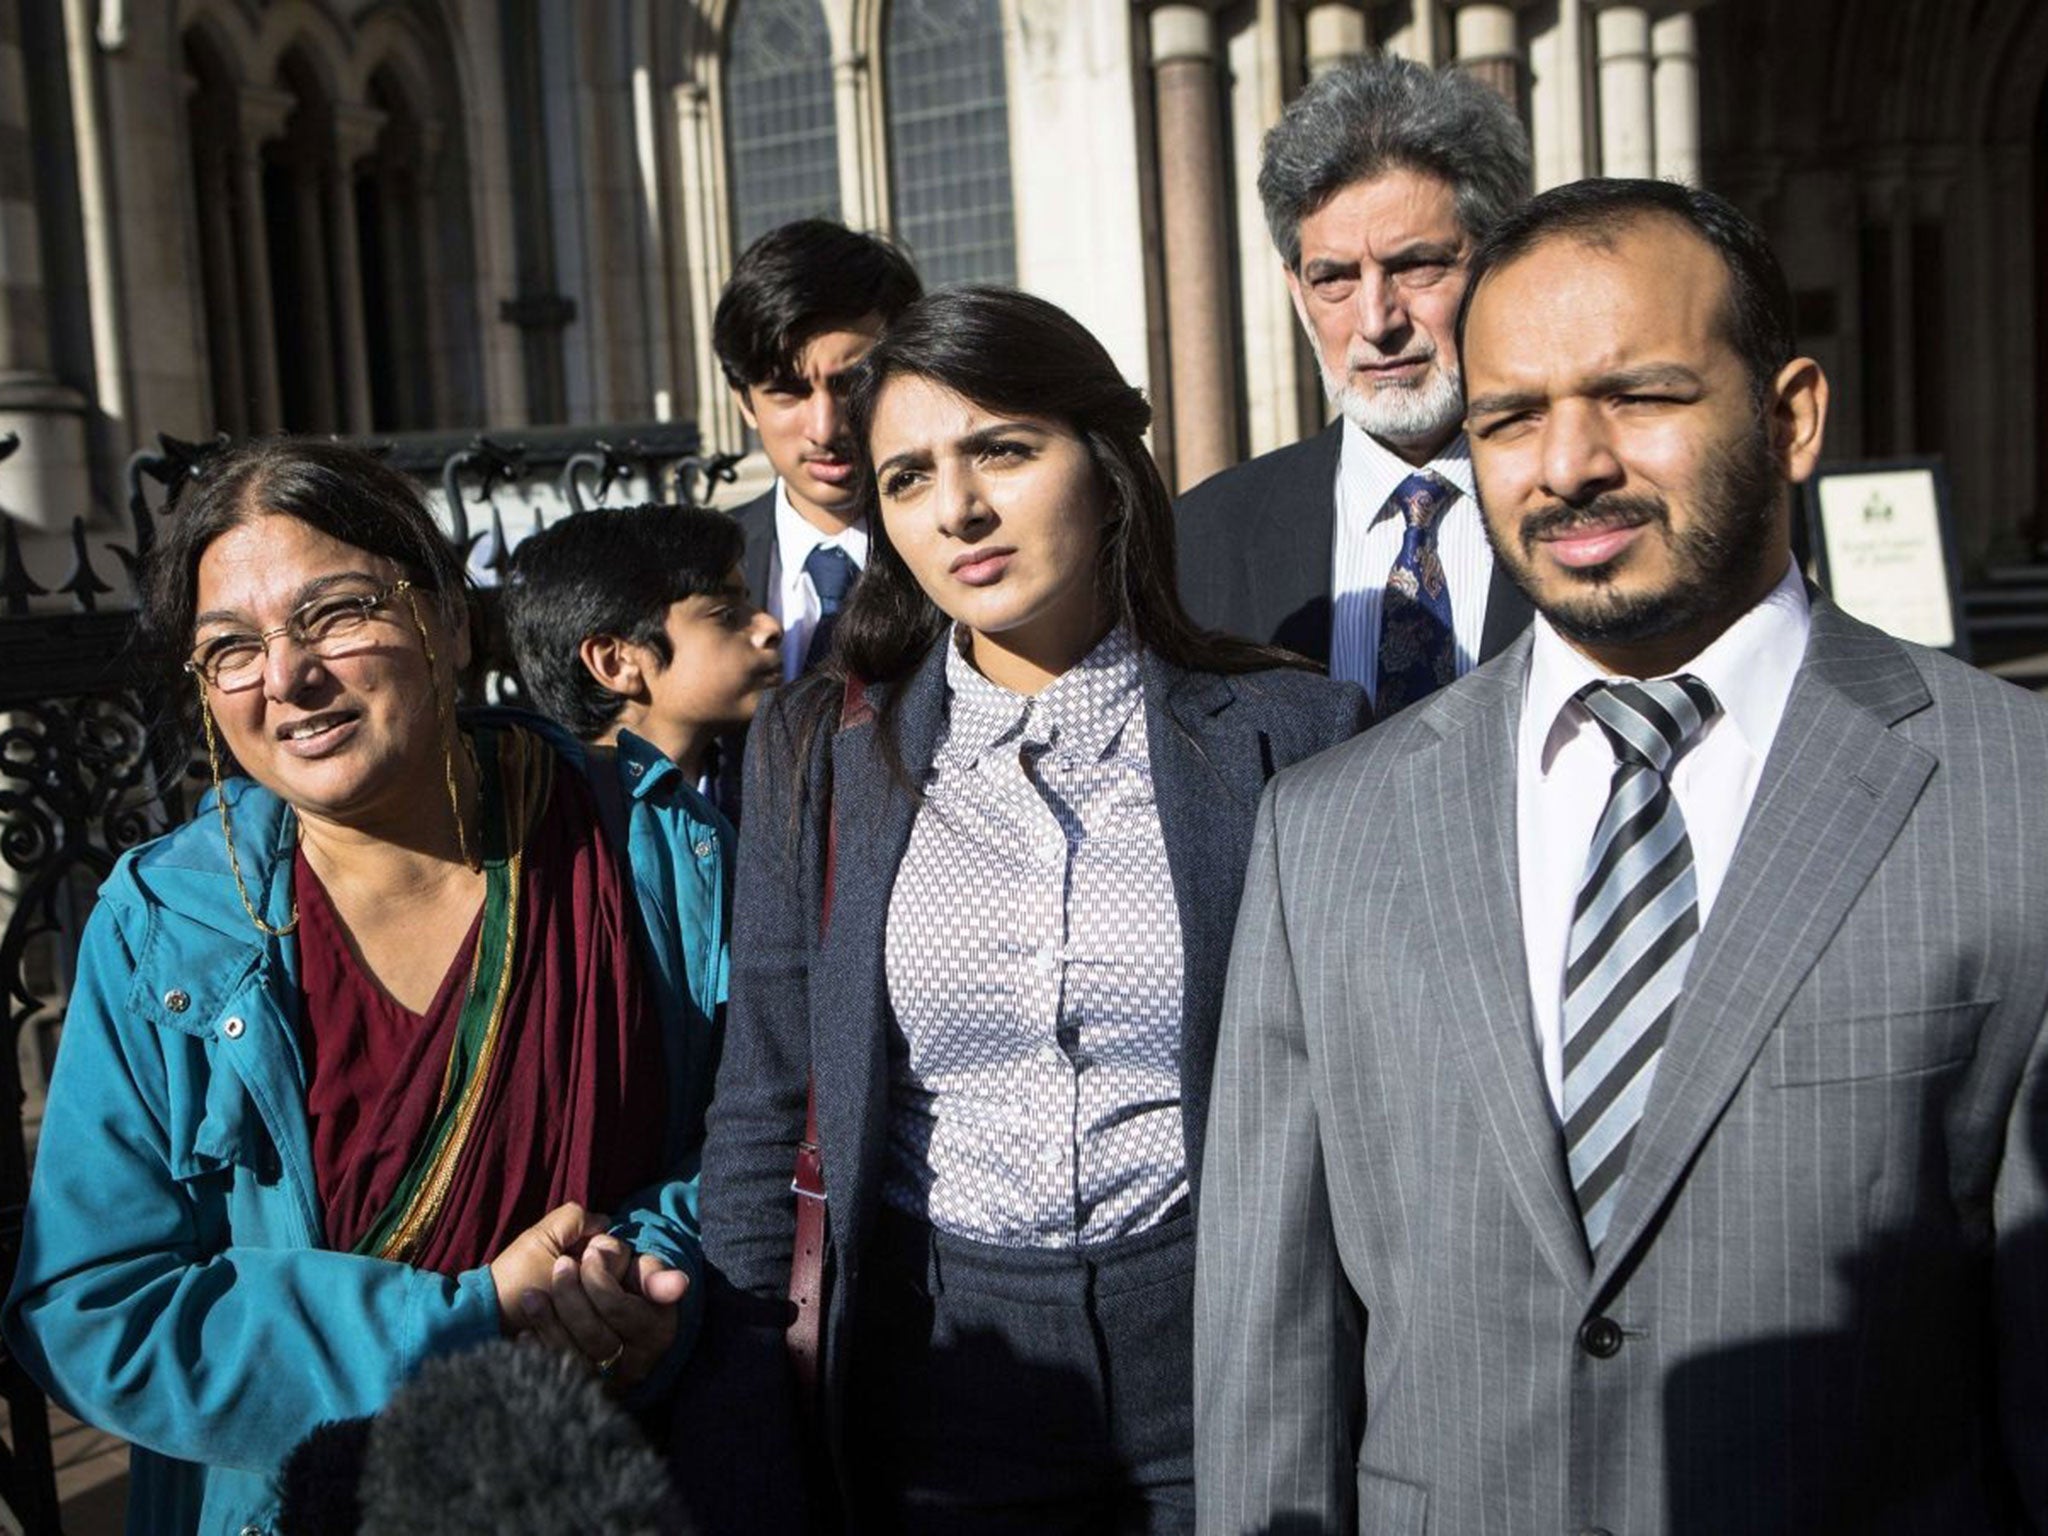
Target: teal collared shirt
<point>680,847</point>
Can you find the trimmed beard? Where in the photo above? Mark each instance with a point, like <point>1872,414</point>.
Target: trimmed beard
<point>1400,414</point>
<point>1715,562</point>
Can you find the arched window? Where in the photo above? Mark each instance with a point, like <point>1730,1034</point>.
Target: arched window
<point>949,139</point>
<point>783,146</point>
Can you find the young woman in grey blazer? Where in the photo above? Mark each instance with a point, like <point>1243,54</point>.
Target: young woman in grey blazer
<point>1035,804</point>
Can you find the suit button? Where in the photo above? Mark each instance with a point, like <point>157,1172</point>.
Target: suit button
<point>1601,1338</point>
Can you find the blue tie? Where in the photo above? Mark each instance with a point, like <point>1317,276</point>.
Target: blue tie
<point>832,574</point>
<point>1418,648</point>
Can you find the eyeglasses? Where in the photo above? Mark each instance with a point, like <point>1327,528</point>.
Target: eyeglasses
<point>325,627</point>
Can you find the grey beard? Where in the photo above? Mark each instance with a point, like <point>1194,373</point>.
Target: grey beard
<point>1397,413</point>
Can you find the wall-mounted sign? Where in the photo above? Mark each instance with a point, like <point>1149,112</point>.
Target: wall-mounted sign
<point>1883,549</point>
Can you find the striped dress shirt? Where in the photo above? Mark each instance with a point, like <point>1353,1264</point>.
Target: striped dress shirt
<point>1368,541</point>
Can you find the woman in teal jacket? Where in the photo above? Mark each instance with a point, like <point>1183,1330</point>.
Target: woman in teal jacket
<point>358,1061</point>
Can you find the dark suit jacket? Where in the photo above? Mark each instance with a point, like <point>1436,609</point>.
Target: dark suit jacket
<point>1214,741</point>
<point>757,522</point>
<point>1257,543</point>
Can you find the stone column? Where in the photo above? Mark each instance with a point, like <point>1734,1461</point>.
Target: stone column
<point>706,246</point>
<point>47,479</point>
<point>429,302</point>
<point>314,340</point>
<point>227,345</point>
<point>1561,73</point>
<point>1488,49</point>
<point>355,134</point>
<point>1333,33</point>
<point>1415,38</point>
<point>855,31</point>
<point>1622,34</point>
<point>1194,237</point>
<point>1675,83</point>
<point>262,115</point>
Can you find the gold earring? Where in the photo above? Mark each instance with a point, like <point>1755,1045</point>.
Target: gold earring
<point>444,714</point>
<point>227,831</point>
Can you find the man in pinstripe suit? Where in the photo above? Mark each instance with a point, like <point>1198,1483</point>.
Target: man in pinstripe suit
<point>1632,1107</point>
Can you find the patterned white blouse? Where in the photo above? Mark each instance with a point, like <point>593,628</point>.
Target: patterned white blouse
<point>1034,969</point>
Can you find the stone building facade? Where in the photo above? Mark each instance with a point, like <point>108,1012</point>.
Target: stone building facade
<point>382,215</point>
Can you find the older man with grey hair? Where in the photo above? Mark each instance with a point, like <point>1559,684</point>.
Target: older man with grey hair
<point>1362,547</point>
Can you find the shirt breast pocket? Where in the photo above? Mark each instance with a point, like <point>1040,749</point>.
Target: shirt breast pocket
<point>1816,1052</point>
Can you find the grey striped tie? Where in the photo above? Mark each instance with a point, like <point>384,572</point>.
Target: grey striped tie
<point>1632,934</point>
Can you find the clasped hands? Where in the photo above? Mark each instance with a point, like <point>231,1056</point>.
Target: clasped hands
<point>567,1283</point>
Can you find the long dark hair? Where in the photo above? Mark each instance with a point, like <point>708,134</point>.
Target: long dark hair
<point>1016,355</point>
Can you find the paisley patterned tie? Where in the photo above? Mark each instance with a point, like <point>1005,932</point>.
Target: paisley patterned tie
<point>1418,650</point>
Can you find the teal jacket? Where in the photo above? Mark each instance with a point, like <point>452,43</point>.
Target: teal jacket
<point>173,1287</point>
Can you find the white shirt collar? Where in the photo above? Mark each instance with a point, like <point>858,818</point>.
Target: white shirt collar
<point>795,537</point>
<point>1373,470</point>
<point>1750,666</point>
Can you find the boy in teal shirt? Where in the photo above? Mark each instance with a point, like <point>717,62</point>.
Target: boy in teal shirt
<point>634,630</point>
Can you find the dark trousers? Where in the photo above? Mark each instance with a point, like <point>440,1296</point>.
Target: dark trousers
<point>996,1390</point>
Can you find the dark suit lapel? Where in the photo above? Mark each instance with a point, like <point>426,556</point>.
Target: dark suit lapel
<point>757,521</point>
<point>850,999</point>
<point>1837,787</point>
<point>1206,777</point>
<point>1457,811</point>
<point>1290,544</point>
<point>1507,614</point>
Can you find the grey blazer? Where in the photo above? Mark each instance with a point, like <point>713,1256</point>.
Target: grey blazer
<point>1823,1302</point>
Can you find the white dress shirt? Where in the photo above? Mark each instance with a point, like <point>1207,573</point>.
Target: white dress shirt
<point>790,595</point>
<point>1565,764</point>
<point>1368,542</point>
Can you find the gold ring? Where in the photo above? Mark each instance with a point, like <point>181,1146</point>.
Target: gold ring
<point>610,1363</point>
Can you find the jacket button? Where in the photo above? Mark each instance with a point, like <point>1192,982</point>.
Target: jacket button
<point>1601,1338</point>
<point>177,1000</point>
<point>703,848</point>
<point>636,769</point>
<point>232,1027</point>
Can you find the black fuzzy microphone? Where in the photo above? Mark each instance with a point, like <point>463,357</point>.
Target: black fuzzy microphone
<point>506,1440</point>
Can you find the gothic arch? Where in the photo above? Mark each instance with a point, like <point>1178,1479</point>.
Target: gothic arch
<point>389,40</point>
<point>308,31</point>
<point>224,27</point>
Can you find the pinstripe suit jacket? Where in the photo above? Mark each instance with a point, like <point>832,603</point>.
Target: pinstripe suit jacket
<point>1823,1302</point>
